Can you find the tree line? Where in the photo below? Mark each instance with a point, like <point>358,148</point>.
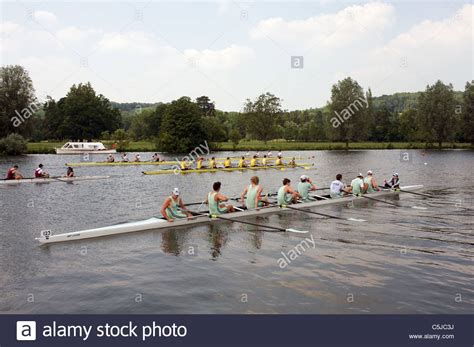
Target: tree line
<point>438,114</point>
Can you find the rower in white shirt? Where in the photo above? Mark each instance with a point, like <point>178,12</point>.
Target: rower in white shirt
<point>338,189</point>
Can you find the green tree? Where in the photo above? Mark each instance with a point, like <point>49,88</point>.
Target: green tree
<point>206,106</point>
<point>467,123</point>
<point>82,114</point>
<point>320,130</point>
<point>13,144</point>
<point>408,127</point>
<point>121,139</point>
<point>17,97</point>
<point>181,127</point>
<point>261,116</point>
<point>348,111</point>
<point>436,117</point>
<point>235,137</point>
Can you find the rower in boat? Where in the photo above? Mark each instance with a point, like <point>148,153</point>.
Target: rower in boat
<point>125,158</point>
<point>252,197</point>
<point>216,200</point>
<point>173,208</point>
<point>110,158</point>
<point>286,194</point>
<point>280,154</point>
<point>304,187</point>
<point>40,173</point>
<point>199,164</point>
<point>13,173</point>
<point>370,184</point>
<point>137,158</point>
<point>338,188</point>
<point>70,172</point>
<point>227,163</point>
<point>358,185</point>
<point>257,154</point>
<point>292,162</point>
<point>212,163</point>
<point>394,182</point>
<point>279,161</point>
<point>185,164</point>
<point>269,154</point>
<point>155,157</point>
<point>265,160</point>
<point>254,161</point>
<point>242,163</point>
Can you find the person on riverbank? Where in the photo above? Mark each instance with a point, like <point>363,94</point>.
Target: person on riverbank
<point>370,184</point>
<point>14,174</point>
<point>358,185</point>
<point>252,197</point>
<point>173,208</point>
<point>393,183</point>
<point>286,194</point>
<point>338,188</point>
<point>216,201</point>
<point>40,173</point>
<point>305,186</point>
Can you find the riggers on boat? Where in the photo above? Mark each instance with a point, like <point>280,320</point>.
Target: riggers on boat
<point>228,169</point>
<point>52,179</point>
<point>160,223</point>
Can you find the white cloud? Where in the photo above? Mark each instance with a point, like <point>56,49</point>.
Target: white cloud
<point>352,23</point>
<point>73,33</point>
<point>134,41</point>
<point>8,28</point>
<point>45,18</point>
<point>223,59</point>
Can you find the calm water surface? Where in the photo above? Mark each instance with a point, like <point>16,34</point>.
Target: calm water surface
<point>401,261</point>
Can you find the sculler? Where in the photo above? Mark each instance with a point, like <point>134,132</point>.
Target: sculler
<point>254,161</point>
<point>216,200</point>
<point>252,197</point>
<point>292,162</point>
<point>227,163</point>
<point>357,184</point>
<point>173,207</point>
<point>242,162</point>
<point>40,173</point>
<point>394,182</point>
<point>70,172</point>
<point>110,158</point>
<point>286,194</point>
<point>155,157</point>
<point>125,158</point>
<point>14,174</point>
<point>304,187</point>
<point>137,158</point>
<point>370,184</point>
<point>338,188</point>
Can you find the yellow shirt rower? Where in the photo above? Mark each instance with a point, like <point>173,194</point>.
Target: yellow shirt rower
<point>254,161</point>
<point>265,160</point>
<point>279,161</point>
<point>242,162</point>
<point>199,163</point>
<point>185,164</point>
<point>227,162</point>
<point>212,163</point>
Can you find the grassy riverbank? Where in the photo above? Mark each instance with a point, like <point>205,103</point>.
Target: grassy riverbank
<point>148,146</point>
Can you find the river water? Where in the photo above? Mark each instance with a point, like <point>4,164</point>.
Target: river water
<point>401,260</point>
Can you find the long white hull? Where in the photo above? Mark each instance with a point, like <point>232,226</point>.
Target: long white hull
<point>158,223</point>
<point>84,151</point>
<point>51,180</point>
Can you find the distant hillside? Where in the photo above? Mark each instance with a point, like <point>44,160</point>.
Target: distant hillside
<point>132,106</point>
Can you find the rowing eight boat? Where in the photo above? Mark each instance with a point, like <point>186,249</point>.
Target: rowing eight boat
<point>160,223</point>
<point>179,171</point>
<point>165,162</point>
<point>53,179</point>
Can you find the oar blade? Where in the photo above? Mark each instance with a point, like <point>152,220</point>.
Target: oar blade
<point>419,208</point>
<point>356,220</point>
<point>291,230</point>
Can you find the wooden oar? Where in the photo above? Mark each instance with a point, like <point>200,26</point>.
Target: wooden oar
<point>390,203</point>
<point>322,214</point>
<point>421,194</point>
<point>290,230</point>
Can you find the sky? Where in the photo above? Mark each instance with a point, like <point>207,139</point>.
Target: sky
<point>158,51</point>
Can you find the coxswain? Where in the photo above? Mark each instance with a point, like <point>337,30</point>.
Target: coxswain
<point>254,161</point>
<point>286,194</point>
<point>370,184</point>
<point>173,207</point>
<point>358,185</point>
<point>216,201</point>
<point>394,182</point>
<point>252,197</point>
<point>242,162</point>
<point>110,158</point>
<point>40,173</point>
<point>14,174</point>
<point>70,172</point>
<point>304,187</point>
<point>125,158</point>
<point>338,189</point>
<point>227,163</point>
<point>212,163</point>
